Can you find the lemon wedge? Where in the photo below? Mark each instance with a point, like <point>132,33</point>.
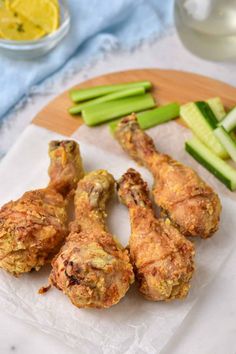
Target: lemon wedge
<point>55,2</point>
<point>15,27</point>
<point>8,4</point>
<point>43,13</point>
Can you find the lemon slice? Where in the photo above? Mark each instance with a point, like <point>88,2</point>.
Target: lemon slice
<point>15,27</point>
<point>55,2</point>
<point>8,4</point>
<point>43,13</point>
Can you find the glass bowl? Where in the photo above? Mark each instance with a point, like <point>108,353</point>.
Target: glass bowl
<point>26,50</point>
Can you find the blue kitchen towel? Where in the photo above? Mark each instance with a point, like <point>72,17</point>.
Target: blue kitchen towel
<point>96,25</point>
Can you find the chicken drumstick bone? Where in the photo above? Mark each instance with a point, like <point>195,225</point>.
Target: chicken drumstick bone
<point>33,227</point>
<point>162,257</point>
<point>187,200</point>
<point>92,269</point>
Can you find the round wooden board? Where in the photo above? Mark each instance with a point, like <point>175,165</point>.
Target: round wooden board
<point>169,86</point>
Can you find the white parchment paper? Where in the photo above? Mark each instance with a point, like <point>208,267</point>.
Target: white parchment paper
<point>134,325</point>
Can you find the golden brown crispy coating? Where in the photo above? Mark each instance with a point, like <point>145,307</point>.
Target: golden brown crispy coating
<point>187,200</point>
<point>161,255</point>
<point>33,227</point>
<point>66,166</point>
<point>92,268</point>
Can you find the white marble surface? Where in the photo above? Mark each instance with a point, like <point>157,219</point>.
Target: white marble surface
<point>211,327</point>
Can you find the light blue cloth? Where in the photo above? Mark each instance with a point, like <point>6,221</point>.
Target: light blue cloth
<point>97,26</point>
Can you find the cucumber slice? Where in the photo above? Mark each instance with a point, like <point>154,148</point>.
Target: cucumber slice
<point>233,136</point>
<point>206,111</point>
<point>218,167</point>
<point>202,121</point>
<point>217,108</point>
<point>229,123</point>
<point>226,141</point>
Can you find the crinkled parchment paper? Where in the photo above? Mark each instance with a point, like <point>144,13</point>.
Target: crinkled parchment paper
<point>134,325</point>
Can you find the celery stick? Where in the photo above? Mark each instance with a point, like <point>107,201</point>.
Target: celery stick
<point>103,112</point>
<point>93,92</point>
<point>158,115</point>
<point>113,124</point>
<point>111,97</point>
<point>153,117</point>
<point>229,122</point>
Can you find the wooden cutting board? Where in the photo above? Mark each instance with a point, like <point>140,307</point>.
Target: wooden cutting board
<point>169,86</point>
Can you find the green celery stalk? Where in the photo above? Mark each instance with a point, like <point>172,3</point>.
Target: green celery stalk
<point>103,112</point>
<point>113,124</point>
<point>93,92</point>
<point>153,117</point>
<point>110,97</point>
<point>158,115</point>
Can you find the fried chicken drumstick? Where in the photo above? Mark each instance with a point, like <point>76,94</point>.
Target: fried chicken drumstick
<point>162,257</point>
<point>187,200</point>
<point>33,227</point>
<point>92,269</point>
